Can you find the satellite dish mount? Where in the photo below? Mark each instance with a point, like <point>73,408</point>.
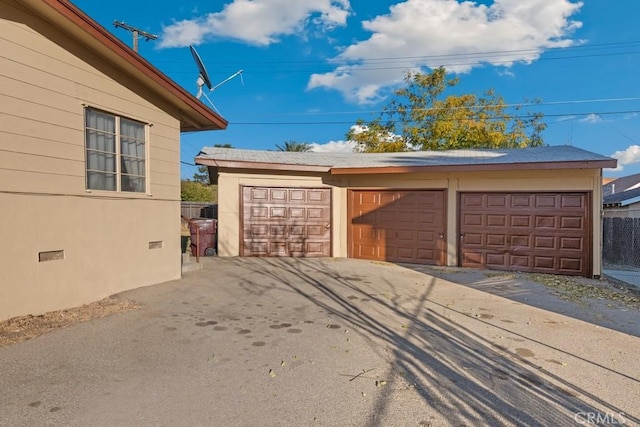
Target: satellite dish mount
<point>204,80</point>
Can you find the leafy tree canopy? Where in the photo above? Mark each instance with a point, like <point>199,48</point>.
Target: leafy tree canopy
<point>202,176</point>
<point>421,117</point>
<point>191,191</point>
<point>294,146</point>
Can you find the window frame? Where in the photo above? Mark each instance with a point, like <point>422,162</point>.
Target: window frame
<point>118,153</point>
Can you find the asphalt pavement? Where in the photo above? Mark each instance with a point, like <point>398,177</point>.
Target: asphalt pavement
<point>322,342</point>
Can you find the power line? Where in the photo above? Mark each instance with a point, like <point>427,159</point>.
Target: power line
<point>523,104</point>
<point>369,64</point>
<point>334,61</point>
<point>503,117</point>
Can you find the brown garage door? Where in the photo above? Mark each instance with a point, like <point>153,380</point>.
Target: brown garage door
<point>399,226</point>
<point>531,232</point>
<point>286,221</point>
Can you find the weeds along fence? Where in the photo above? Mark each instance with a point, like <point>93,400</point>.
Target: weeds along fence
<point>621,241</point>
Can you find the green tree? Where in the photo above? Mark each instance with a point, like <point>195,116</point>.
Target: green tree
<point>191,191</point>
<point>294,146</point>
<point>202,176</point>
<point>421,117</point>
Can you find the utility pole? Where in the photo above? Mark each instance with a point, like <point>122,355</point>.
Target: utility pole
<point>136,32</point>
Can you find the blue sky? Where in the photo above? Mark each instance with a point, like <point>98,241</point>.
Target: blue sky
<point>313,67</point>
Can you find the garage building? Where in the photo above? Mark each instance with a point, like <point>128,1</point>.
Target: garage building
<point>531,210</point>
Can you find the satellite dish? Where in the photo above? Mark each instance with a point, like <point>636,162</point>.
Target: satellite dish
<point>203,77</point>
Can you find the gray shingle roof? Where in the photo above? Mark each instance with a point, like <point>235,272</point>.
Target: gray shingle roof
<point>621,184</point>
<point>622,198</point>
<point>546,154</point>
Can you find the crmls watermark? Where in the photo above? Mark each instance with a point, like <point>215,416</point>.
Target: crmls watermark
<point>599,418</point>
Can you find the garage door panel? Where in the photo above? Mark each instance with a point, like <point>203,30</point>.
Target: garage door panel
<point>496,201</point>
<point>258,247</point>
<point>520,261</point>
<point>546,201</point>
<point>499,240</point>
<point>522,201</point>
<point>473,219</point>
<point>473,239</point>
<point>568,222</point>
<point>258,194</point>
<point>519,241</point>
<point>286,221</point>
<point>572,243</point>
<point>402,226</point>
<point>297,213</point>
<point>543,232</point>
<point>545,242</point>
<point>573,265</point>
<point>278,194</point>
<point>259,213</point>
<point>496,220</point>
<point>544,263</point>
<point>297,195</point>
<point>496,260</point>
<point>545,221</point>
<point>520,221</point>
<point>572,201</point>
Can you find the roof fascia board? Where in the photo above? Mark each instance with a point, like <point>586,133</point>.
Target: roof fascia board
<point>630,201</point>
<point>232,164</point>
<point>596,164</point>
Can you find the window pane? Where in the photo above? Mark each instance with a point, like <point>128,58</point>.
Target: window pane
<point>132,166</point>
<point>101,141</point>
<point>131,147</point>
<point>130,183</point>
<point>97,161</point>
<point>132,129</point>
<point>101,181</point>
<point>100,121</point>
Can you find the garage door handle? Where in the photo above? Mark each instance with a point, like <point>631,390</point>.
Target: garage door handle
<point>328,226</point>
<point>441,236</point>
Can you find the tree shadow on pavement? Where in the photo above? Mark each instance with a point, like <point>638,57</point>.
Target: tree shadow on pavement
<point>457,372</point>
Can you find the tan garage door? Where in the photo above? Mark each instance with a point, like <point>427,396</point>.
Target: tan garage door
<point>286,221</point>
<point>531,232</point>
<point>399,226</point>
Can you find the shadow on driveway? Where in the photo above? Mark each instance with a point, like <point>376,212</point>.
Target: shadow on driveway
<point>435,349</point>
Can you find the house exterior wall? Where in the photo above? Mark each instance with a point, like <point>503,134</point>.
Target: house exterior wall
<point>46,81</point>
<point>588,180</point>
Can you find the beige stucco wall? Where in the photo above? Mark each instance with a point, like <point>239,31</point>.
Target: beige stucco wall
<point>45,84</point>
<point>528,180</point>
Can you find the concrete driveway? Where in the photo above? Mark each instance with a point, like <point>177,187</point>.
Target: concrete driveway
<point>329,342</point>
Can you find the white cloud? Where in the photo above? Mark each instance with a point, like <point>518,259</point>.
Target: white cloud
<point>627,157</point>
<point>592,118</point>
<point>333,147</point>
<point>258,22</point>
<point>459,35</point>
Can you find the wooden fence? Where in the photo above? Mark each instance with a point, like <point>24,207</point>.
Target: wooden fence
<point>199,210</point>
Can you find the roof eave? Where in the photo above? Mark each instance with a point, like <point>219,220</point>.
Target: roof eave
<point>234,164</point>
<point>193,114</point>
<point>591,164</point>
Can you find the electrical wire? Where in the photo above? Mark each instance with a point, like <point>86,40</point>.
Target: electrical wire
<point>503,117</point>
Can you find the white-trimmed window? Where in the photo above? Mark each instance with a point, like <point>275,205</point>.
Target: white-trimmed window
<point>116,152</point>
